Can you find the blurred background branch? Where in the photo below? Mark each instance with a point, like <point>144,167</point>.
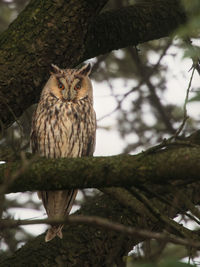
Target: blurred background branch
<point>139,97</point>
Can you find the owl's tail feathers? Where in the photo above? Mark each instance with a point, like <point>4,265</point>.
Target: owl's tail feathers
<point>53,232</point>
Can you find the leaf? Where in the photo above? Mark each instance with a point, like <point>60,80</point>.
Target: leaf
<point>196,97</point>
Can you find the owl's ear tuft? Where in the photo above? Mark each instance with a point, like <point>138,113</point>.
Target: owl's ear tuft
<point>85,70</point>
<point>55,69</point>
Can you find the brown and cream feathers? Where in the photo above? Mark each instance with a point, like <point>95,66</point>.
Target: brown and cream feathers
<point>64,125</point>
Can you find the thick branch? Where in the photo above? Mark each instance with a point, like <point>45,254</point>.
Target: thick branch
<point>172,165</point>
<point>132,25</point>
<point>81,246</point>
<point>177,165</point>
<point>92,246</point>
<point>66,33</point>
<point>45,32</point>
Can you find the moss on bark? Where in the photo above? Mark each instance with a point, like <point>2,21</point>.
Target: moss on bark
<point>66,33</point>
<point>177,164</point>
<point>93,246</point>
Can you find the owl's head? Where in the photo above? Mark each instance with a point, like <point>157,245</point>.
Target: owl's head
<point>70,84</point>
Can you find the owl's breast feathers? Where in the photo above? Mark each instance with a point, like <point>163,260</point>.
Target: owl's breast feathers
<point>63,129</point>
<point>63,125</point>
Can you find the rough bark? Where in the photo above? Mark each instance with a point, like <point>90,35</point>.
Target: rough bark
<point>66,33</point>
<point>81,246</point>
<point>132,25</point>
<point>175,165</point>
<point>165,172</point>
<point>93,246</point>
<point>45,32</point>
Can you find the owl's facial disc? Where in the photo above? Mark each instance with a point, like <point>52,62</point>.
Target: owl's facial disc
<point>70,93</point>
<point>64,88</point>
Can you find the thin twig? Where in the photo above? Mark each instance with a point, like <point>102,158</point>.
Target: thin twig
<point>110,113</point>
<point>104,223</point>
<point>145,75</point>
<point>177,228</point>
<point>169,203</point>
<point>185,116</point>
<point>11,177</point>
<point>195,58</point>
<point>142,81</point>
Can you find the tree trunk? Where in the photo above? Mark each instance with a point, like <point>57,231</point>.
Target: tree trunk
<point>66,33</point>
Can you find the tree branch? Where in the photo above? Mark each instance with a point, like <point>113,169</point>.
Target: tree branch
<point>66,33</point>
<point>129,26</point>
<point>45,32</point>
<point>177,164</point>
<point>105,224</point>
<point>180,164</point>
<point>94,246</point>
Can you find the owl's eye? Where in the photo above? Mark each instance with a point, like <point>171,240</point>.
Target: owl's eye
<point>77,86</point>
<point>61,86</point>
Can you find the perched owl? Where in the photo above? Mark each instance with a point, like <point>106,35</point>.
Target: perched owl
<point>63,125</point>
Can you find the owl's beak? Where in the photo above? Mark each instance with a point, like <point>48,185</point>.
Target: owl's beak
<point>66,94</point>
<point>69,94</point>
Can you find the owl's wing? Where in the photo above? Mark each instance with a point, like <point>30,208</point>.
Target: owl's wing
<point>59,203</point>
<point>89,146</point>
<point>88,150</point>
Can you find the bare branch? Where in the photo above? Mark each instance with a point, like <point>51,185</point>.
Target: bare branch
<point>101,33</point>
<point>104,223</point>
<point>185,116</point>
<point>101,172</point>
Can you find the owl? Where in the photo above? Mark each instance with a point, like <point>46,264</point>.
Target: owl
<point>63,125</point>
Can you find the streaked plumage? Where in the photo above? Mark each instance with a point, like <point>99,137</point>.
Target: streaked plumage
<point>64,125</point>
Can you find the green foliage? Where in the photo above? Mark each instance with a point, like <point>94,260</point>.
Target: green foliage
<point>196,97</point>
<point>191,29</point>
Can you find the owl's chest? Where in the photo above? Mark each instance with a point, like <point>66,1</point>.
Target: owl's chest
<point>68,120</point>
<point>65,131</point>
